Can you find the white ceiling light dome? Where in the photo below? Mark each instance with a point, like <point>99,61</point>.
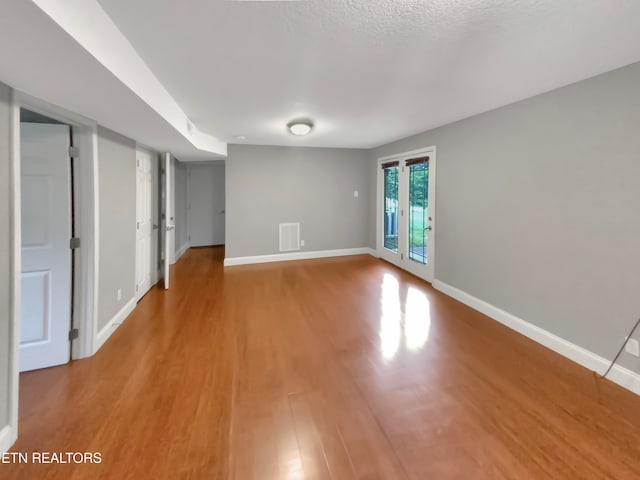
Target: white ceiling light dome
<point>300,127</point>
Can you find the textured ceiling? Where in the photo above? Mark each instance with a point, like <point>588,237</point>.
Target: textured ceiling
<point>38,58</point>
<point>368,71</point>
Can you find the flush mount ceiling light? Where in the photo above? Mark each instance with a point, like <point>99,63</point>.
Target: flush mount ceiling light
<point>300,127</point>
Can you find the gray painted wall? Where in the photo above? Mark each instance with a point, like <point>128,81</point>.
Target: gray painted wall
<point>117,171</point>
<point>180,205</point>
<point>5,257</point>
<point>537,208</point>
<point>266,186</point>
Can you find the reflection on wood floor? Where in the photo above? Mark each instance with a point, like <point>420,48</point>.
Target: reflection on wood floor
<point>341,369</point>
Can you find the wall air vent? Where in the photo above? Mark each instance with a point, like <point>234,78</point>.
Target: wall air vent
<point>289,237</point>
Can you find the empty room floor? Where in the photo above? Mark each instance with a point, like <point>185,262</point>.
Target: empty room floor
<point>343,368</point>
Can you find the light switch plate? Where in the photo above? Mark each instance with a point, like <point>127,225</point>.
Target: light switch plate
<point>632,347</point>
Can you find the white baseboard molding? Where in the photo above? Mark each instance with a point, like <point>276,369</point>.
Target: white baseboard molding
<point>181,251</point>
<point>114,323</point>
<point>7,438</point>
<point>620,375</point>
<point>284,257</point>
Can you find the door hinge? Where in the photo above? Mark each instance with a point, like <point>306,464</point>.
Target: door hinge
<point>402,256</point>
<point>74,334</point>
<point>137,287</point>
<point>74,152</point>
<point>74,243</point>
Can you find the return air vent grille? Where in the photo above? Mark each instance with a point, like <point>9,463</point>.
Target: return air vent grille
<point>289,237</point>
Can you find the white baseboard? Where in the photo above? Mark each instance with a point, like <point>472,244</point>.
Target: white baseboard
<point>7,438</point>
<point>620,375</point>
<point>181,251</point>
<point>284,257</point>
<point>114,323</point>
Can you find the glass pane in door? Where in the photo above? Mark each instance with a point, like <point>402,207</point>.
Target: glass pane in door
<point>390,210</point>
<point>418,211</point>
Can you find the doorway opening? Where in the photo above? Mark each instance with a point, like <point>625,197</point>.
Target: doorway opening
<point>40,179</point>
<point>48,235</point>
<point>192,208</point>
<point>205,204</point>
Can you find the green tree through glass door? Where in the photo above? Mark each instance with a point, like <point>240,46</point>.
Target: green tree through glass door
<point>390,208</point>
<point>418,211</point>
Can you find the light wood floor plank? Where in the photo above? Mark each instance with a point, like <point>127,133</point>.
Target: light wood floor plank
<point>336,369</point>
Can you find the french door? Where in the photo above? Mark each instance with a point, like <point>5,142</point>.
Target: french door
<point>406,211</point>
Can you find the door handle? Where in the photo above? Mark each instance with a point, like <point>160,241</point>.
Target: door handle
<point>429,228</point>
<point>154,226</point>
<point>170,227</point>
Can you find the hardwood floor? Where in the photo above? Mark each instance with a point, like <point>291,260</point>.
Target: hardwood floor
<point>340,369</point>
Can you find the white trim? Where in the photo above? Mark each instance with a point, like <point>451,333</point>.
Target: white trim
<point>87,290</point>
<point>16,268</point>
<point>114,323</point>
<point>85,133</point>
<point>620,375</point>
<point>88,204</point>
<point>7,438</point>
<point>417,151</point>
<point>181,250</point>
<point>285,257</point>
<point>165,226</point>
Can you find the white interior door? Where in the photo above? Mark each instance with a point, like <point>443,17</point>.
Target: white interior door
<point>144,222</point>
<point>46,255</point>
<point>167,225</point>
<point>206,208</point>
<point>155,220</point>
<point>406,211</point>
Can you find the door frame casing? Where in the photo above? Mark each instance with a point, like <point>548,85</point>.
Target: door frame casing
<point>85,271</point>
<point>213,165</point>
<point>166,227</point>
<point>426,273</point>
